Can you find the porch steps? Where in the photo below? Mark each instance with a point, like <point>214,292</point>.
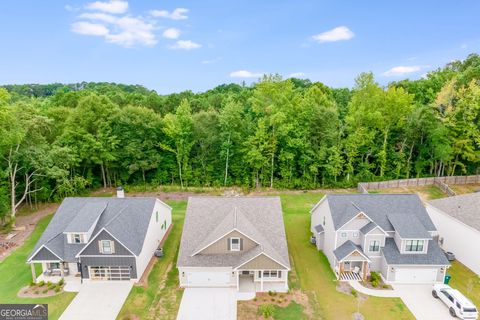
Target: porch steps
<point>349,276</point>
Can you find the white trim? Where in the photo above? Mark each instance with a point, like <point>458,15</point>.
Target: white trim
<point>376,227</point>
<point>208,245</point>
<point>164,204</point>
<point>451,217</point>
<point>236,268</point>
<point>231,244</point>
<point>361,212</point>
<point>94,237</point>
<point>363,255</point>
<point>43,246</point>
<point>318,203</point>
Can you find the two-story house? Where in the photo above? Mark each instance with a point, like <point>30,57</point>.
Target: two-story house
<point>101,238</point>
<point>236,242</point>
<point>387,233</point>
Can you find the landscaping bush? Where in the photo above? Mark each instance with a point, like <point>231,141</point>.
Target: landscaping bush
<point>41,283</point>
<point>375,278</point>
<point>266,310</point>
<point>61,282</point>
<point>57,289</point>
<point>354,292</point>
<point>374,283</point>
<point>32,284</point>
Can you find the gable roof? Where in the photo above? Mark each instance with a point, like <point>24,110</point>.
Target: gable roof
<point>126,219</point>
<point>344,207</point>
<point>368,227</point>
<point>346,249</point>
<point>465,207</point>
<point>208,219</point>
<point>408,226</point>
<point>434,256</point>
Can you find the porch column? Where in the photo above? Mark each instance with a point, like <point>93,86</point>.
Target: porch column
<point>62,272</point>
<point>364,270</point>
<point>34,275</point>
<point>238,280</point>
<point>261,281</point>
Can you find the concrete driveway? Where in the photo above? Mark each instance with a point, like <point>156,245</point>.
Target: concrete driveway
<point>208,304</point>
<point>100,300</point>
<point>419,300</point>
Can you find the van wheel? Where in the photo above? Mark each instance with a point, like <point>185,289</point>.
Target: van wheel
<point>434,294</point>
<point>452,312</point>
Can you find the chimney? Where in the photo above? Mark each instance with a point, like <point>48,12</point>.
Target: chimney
<point>120,192</point>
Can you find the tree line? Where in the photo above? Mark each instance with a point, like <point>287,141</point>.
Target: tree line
<point>59,140</point>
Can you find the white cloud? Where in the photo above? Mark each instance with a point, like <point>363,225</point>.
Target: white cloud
<point>177,14</point>
<point>71,8</point>
<point>337,34</point>
<point>245,74</point>
<point>296,75</point>
<point>112,6</point>
<point>185,45</point>
<point>171,33</point>
<point>99,16</point>
<point>90,29</point>
<point>401,70</point>
<point>132,31</point>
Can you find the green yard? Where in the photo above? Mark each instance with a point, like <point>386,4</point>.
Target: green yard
<point>15,274</point>
<point>466,281</point>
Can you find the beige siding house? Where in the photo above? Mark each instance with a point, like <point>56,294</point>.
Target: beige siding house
<point>234,242</point>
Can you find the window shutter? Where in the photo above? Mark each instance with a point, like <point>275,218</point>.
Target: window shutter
<point>241,244</point>
<point>228,244</point>
<point>279,273</point>
<point>100,249</point>
<point>112,245</point>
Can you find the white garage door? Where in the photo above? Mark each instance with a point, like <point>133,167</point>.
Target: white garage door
<point>200,279</point>
<point>415,275</point>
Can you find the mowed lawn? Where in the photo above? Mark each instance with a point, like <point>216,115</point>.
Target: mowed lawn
<point>160,299</point>
<point>315,275</point>
<point>464,280</point>
<point>15,274</point>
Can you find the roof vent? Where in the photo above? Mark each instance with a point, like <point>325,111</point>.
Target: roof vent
<point>120,192</point>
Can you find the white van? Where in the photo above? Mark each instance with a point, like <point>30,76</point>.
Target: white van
<point>458,305</point>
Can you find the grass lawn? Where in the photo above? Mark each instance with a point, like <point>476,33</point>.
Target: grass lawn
<point>466,281</point>
<point>160,299</point>
<point>15,274</point>
<point>314,272</point>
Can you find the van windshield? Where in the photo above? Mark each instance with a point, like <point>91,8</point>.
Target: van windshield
<point>469,310</point>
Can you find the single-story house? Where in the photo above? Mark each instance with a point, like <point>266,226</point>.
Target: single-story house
<point>387,233</point>
<point>457,219</point>
<point>236,242</point>
<point>101,238</point>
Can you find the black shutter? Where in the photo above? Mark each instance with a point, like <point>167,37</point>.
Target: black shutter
<point>279,273</point>
<point>241,244</point>
<point>228,244</point>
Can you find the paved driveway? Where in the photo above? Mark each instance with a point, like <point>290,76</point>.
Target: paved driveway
<point>100,300</point>
<point>419,300</point>
<point>208,304</point>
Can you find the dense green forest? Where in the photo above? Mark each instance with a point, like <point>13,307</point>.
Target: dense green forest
<point>59,140</point>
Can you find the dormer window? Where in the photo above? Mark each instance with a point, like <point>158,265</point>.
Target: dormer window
<point>234,244</point>
<point>77,238</point>
<point>414,245</point>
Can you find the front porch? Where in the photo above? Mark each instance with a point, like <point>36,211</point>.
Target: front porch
<point>251,281</point>
<point>353,270</point>
<point>54,271</point>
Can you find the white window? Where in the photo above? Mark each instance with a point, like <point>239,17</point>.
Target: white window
<point>76,238</point>
<point>343,234</point>
<point>374,246</point>
<point>106,247</point>
<point>271,273</point>
<point>414,245</point>
<point>355,234</point>
<point>234,244</point>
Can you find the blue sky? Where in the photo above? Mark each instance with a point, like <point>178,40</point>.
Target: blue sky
<point>172,46</point>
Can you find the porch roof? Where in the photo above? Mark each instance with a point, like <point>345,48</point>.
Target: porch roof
<point>347,249</point>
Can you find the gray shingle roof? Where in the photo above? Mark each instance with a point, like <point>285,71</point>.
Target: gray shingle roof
<point>319,228</point>
<point>209,218</point>
<point>85,218</point>
<point>368,227</point>
<point>434,256</point>
<point>377,206</point>
<point>126,219</point>
<point>346,249</point>
<point>408,226</point>
<point>465,208</point>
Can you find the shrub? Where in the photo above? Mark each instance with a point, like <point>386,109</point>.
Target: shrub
<point>32,284</point>
<point>375,276</point>
<point>254,299</point>
<point>266,310</point>
<point>41,283</point>
<point>45,291</point>
<point>385,286</point>
<point>270,293</point>
<point>36,292</point>
<point>374,283</point>
<point>354,292</point>
<point>61,282</point>
<point>57,289</point>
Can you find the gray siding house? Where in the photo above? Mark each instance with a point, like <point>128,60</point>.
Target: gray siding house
<point>101,238</point>
<point>388,233</point>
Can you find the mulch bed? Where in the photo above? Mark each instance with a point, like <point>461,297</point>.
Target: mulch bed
<point>37,291</point>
